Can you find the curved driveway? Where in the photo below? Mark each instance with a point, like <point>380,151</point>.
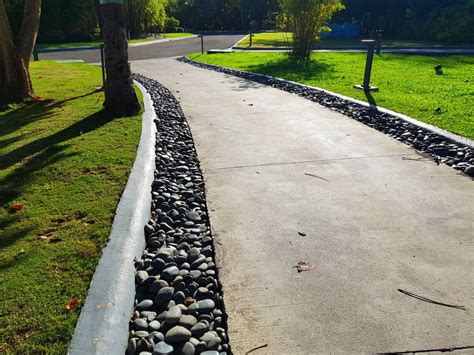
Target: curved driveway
<point>158,50</point>
<point>288,180</point>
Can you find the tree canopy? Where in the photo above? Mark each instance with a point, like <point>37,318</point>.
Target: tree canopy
<point>307,19</point>
<point>446,20</point>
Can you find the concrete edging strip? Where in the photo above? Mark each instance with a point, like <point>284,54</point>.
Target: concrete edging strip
<point>431,128</point>
<point>102,327</point>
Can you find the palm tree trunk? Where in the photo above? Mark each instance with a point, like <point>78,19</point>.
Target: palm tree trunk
<point>120,98</point>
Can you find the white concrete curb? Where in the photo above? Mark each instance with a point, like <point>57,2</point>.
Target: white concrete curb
<point>427,126</point>
<point>160,41</point>
<point>102,327</point>
<point>236,44</point>
<point>436,130</point>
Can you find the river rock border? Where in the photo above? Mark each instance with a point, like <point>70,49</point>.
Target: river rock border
<point>442,147</point>
<point>179,305</point>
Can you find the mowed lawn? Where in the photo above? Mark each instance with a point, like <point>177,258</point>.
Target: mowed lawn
<point>63,166</point>
<point>284,39</point>
<point>408,84</point>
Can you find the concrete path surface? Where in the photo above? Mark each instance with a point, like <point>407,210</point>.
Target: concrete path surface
<point>371,221</point>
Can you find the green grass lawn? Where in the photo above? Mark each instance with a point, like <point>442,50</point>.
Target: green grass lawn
<point>66,162</point>
<point>408,84</point>
<point>177,34</point>
<point>283,39</point>
<point>98,43</point>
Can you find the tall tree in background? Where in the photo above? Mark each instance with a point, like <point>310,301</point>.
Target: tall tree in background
<point>120,98</point>
<point>15,53</point>
<point>307,18</point>
<point>145,16</point>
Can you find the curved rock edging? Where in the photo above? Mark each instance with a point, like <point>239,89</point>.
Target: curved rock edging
<point>179,306</point>
<point>440,145</point>
<point>102,327</point>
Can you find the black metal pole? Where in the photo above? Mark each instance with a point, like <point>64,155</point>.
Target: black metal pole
<point>379,43</point>
<point>251,36</point>
<point>35,54</point>
<point>202,44</point>
<point>102,61</point>
<point>368,64</point>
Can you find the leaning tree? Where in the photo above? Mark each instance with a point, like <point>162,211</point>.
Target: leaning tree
<point>120,98</point>
<point>15,53</point>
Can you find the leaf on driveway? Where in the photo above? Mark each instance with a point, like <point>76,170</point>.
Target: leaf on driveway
<point>304,266</point>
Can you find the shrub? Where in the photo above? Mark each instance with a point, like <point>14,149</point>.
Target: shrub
<point>79,37</point>
<point>171,24</point>
<point>54,37</point>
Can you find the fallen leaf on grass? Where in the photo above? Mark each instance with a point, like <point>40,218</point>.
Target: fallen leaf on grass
<point>15,208</point>
<point>304,266</point>
<point>70,306</point>
<point>46,236</point>
<point>39,99</point>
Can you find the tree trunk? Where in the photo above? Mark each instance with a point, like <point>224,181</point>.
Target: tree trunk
<point>29,29</point>
<point>120,98</point>
<point>99,17</point>
<point>15,83</point>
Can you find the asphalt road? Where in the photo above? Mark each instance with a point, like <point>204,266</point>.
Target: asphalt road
<point>158,50</point>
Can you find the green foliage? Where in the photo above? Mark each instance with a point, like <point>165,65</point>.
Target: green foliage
<point>307,18</point>
<point>54,36</point>
<point>442,20</point>
<point>224,14</point>
<point>145,16</point>
<point>171,24</point>
<point>454,24</point>
<point>408,84</point>
<point>70,16</point>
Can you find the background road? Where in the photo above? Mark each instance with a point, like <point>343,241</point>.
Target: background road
<point>158,50</point>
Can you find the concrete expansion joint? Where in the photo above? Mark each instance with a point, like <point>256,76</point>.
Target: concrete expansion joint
<point>440,145</point>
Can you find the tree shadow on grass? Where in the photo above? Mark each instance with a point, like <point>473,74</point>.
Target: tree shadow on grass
<point>30,113</point>
<point>42,153</point>
<point>289,68</point>
<point>88,124</point>
<point>294,68</point>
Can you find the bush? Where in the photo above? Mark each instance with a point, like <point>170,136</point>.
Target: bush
<point>452,24</point>
<point>54,37</point>
<point>79,37</point>
<point>171,24</point>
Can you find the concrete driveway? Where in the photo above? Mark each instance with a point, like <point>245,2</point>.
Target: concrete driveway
<point>289,181</point>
